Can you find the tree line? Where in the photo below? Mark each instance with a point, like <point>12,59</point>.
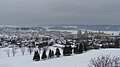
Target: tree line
<point>68,50</point>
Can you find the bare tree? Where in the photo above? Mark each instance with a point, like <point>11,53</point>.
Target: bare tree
<point>14,50</point>
<point>30,49</point>
<point>7,52</point>
<point>23,50</point>
<point>39,48</point>
<point>104,61</point>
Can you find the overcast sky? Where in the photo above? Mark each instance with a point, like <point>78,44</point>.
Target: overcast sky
<point>42,12</point>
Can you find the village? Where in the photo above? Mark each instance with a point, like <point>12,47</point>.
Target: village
<point>42,44</point>
<point>38,36</point>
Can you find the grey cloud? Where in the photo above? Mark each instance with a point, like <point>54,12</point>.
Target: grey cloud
<point>37,12</point>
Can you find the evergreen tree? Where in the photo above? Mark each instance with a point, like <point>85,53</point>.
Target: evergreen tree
<point>36,56</point>
<point>85,46</point>
<point>80,48</point>
<point>44,56</point>
<point>70,49</point>
<point>57,52</point>
<point>117,43</point>
<point>50,53</point>
<point>76,50</point>
<point>65,51</point>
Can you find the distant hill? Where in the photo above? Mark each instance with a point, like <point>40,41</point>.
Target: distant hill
<point>101,27</point>
<point>87,27</point>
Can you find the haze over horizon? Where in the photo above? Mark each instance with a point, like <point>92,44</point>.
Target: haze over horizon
<point>51,12</point>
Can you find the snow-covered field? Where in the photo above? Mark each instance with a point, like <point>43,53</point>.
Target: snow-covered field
<point>81,60</point>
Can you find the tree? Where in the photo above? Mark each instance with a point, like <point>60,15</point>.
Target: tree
<point>44,56</point>
<point>76,49</point>
<point>13,42</point>
<point>104,61</point>
<point>50,54</point>
<point>30,49</point>
<point>39,48</point>
<point>80,48</point>
<point>57,53</point>
<point>85,46</point>
<point>23,50</point>
<point>14,50</point>
<point>8,52</point>
<point>117,43</point>
<point>51,43</point>
<point>70,49</point>
<point>65,51</point>
<point>36,56</point>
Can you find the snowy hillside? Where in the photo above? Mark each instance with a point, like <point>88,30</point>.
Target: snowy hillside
<point>81,60</point>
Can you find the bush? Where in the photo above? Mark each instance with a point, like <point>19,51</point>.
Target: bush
<point>104,61</point>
